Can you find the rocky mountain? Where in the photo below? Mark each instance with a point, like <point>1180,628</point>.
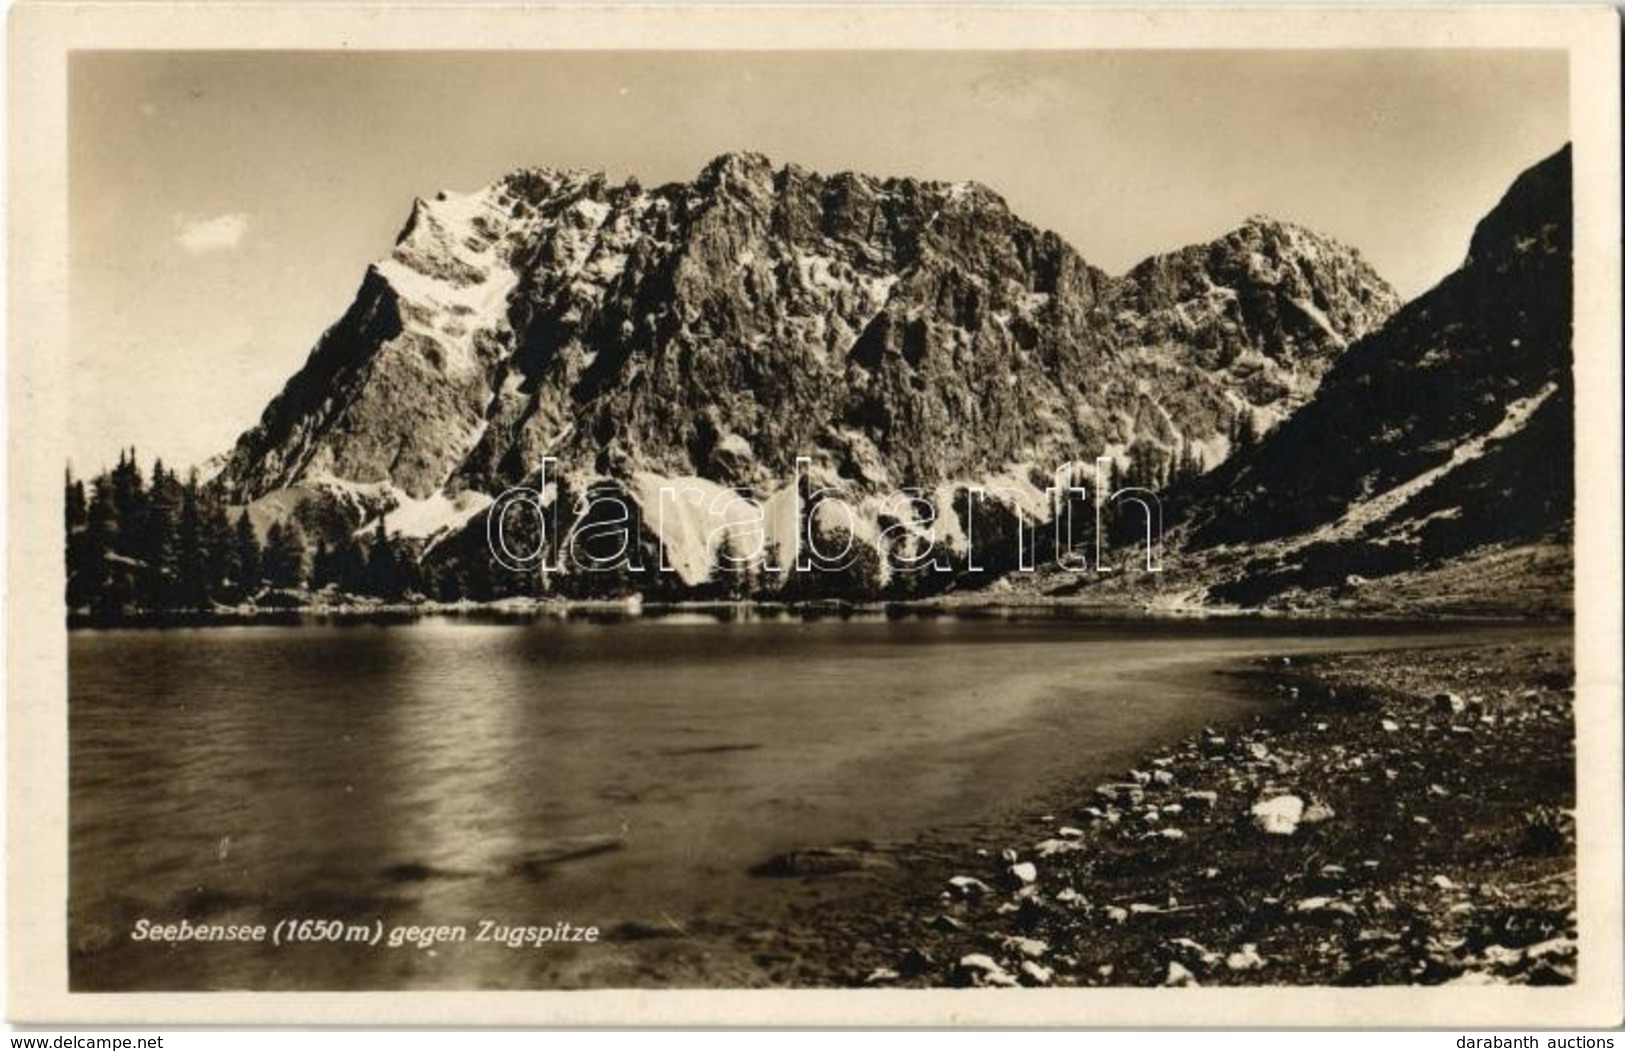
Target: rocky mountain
<point>898,333</point>
<point>1439,446</point>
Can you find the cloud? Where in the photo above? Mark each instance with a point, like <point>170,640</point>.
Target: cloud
<point>219,233</point>
<point>1021,94</point>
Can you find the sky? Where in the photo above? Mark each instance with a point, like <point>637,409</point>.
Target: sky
<point>223,207</point>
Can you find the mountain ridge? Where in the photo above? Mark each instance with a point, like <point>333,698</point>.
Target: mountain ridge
<point>1445,434</point>
<point>775,345</point>
<point>900,331</point>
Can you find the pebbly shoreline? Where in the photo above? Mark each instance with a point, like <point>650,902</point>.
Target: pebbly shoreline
<point>1404,817</point>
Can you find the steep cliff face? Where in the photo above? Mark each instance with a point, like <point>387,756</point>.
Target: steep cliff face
<point>397,390</point>
<point>1267,308</point>
<point>899,333</point>
<point>1448,431</point>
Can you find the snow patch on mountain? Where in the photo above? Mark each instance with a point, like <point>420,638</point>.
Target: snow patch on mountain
<point>435,516</point>
<point>693,517</point>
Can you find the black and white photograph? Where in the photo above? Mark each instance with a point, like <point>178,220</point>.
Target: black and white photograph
<point>827,518</point>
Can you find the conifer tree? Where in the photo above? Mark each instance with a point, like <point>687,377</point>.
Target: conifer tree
<point>114,578</point>
<point>408,573</point>
<point>219,543</point>
<point>74,503</point>
<point>908,576</point>
<point>88,549</point>
<point>767,582</point>
<point>269,569</point>
<point>428,579</point>
<point>323,571</point>
<point>475,578</point>
<point>246,560</point>
<point>731,573</point>
<point>284,559</point>
<point>449,585</point>
<point>157,542</point>
<point>128,490</point>
<point>1246,429</point>
<point>350,566</point>
<point>383,572</point>
<point>861,576</point>
<point>74,511</point>
<point>193,590</point>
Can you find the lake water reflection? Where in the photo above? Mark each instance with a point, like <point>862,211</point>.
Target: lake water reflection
<point>447,769</point>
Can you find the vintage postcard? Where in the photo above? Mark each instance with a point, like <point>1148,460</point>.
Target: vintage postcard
<point>814,515</point>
